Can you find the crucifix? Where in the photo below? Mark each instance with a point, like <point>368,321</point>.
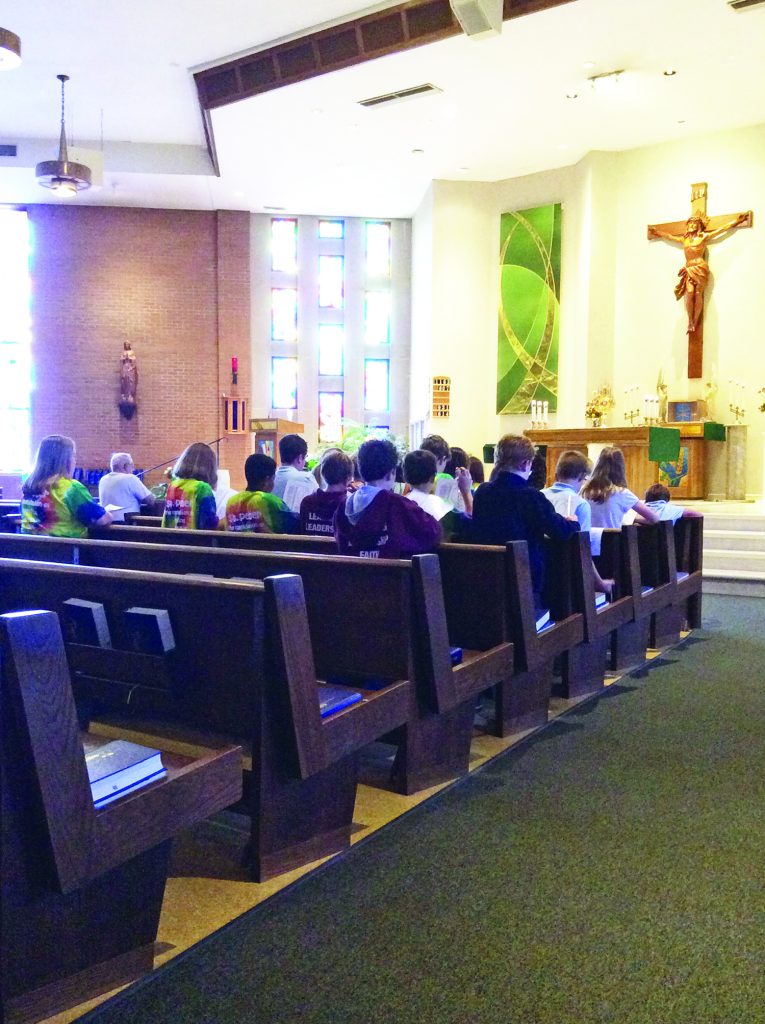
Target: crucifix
<point>694,235</point>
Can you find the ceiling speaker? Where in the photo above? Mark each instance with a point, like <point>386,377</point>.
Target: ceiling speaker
<point>478,18</point>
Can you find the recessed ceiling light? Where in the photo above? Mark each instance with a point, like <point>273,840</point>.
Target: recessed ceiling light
<point>562,145</point>
<point>418,152</point>
<point>607,80</point>
<point>588,65</point>
<point>279,209</point>
<point>572,95</point>
<point>669,72</point>
<point>464,168</point>
<point>681,120</point>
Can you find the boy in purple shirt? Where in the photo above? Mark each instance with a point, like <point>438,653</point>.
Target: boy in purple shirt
<point>375,522</point>
<point>317,510</point>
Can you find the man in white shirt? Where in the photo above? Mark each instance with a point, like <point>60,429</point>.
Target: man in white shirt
<point>121,491</point>
<point>292,481</point>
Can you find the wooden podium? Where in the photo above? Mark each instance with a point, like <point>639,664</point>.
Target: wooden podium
<point>687,478</point>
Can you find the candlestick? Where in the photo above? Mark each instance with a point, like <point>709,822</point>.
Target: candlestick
<point>234,369</point>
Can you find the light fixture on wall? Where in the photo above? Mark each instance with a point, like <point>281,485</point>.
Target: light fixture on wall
<point>63,176</point>
<point>10,50</point>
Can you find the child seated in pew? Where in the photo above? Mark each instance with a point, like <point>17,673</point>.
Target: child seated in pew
<point>420,474</point>
<point>257,510</point>
<point>374,522</point>
<point>657,498</point>
<point>509,508</point>
<point>317,510</point>
<point>190,499</point>
<point>54,504</point>
<point>476,470</point>
<point>451,464</point>
<point>571,473</point>
<point>607,493</point>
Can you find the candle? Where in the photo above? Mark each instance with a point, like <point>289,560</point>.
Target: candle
<point>234,364</point>
<point>545,407</point>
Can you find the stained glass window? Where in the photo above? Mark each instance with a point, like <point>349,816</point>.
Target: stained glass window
<point>330,415</point>
<point>331,338</point>
<point>331,282</point>
<point>378,248</point>
<point>283,382</point>
<point>15,342</point>
<point>283,314</point>
<point>284,244</point>
<point>376,385</point>
<point>377,318</point>
<point>331,229</point>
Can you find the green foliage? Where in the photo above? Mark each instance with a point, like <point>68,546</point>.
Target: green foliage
<point>354,435</point>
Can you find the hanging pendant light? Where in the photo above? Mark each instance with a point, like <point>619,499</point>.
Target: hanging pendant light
<point>10,50</point>
<point>63,176</point>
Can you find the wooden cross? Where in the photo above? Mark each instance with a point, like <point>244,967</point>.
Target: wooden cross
<point>694,235</point>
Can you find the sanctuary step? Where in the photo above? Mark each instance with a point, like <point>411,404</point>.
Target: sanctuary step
<point>734,547</point>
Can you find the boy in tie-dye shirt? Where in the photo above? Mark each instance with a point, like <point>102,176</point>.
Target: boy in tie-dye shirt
<point>256,510</point>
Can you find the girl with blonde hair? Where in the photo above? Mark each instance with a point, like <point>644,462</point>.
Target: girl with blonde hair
<point>53,503</point>
<point>190,499</point>
<point>607,493</point>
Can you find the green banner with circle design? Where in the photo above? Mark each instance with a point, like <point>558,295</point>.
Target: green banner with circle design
<point>529,309</point>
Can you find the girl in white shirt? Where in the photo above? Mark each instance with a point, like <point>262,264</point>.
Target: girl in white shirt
<point>608,495</point>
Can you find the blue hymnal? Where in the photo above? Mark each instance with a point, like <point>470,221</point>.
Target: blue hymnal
<point>455,653</point>
<point>682,576</point>
<point>646,590</point>
<point>335,698</point>
<point>600,600</point>
<point>118,767</point>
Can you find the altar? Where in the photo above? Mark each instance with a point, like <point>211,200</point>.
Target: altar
<point>677,454</point>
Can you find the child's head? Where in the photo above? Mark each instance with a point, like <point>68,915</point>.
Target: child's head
<point>55,458</point>
<point>514,454</point>
<point>476,470</point>
<point>336,468</point>
<point>198,462</point>
<point>572,468</point>
<point>608,475</point>
<point>419,468</point>
<point>657,492</point>
<point>458,459</point>
<point>538,475</point>
<point>259,470</point>
<point>436,444</point>
<point>378,459</point>
<point>292,449</point>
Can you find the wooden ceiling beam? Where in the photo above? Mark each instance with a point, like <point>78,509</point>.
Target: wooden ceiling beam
<point>411,24</point>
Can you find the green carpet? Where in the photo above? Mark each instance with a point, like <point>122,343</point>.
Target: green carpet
<point>609,870</point>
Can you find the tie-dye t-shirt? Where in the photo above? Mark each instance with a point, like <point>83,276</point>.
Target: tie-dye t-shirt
<point>257,512</point>
<point>65,509</point>
<point>190,505</point>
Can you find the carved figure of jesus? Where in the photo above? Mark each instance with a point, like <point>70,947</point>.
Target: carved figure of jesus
<point>695,274</point>
<point>694,235</point>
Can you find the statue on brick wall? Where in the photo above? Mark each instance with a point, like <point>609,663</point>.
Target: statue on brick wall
<point>128,381</point>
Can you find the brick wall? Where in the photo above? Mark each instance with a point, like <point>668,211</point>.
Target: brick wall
<point>102,276</point>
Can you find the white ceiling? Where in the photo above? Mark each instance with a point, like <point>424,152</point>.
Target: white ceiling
<point>310,148</point>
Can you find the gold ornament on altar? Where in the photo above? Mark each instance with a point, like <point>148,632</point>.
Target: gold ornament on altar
<point>599,404</point>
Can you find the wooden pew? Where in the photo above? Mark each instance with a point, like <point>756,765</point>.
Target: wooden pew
<point>573,590</point>
<point>647,579</point>
<point>80,889</point>
<point>378,619</point>
<point>689,552</point>
<point>242,669</point>
<point>489,598</point>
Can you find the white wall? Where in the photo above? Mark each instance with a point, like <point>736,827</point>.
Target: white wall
<point>620,322</point>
